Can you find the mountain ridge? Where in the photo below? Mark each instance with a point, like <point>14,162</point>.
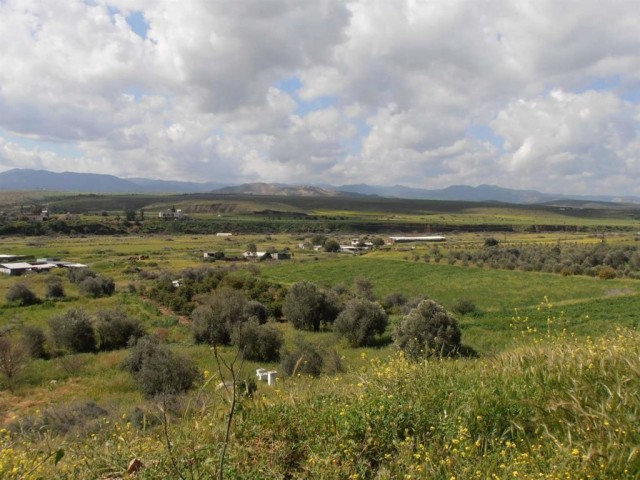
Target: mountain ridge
<point>30,179</point>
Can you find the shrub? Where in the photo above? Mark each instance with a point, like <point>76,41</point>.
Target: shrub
<point>394,300</point>
<point>606,273</point>
<point>360,321</point>
<point>73,331</point>
<point>364,288</point>
<point>260,343</point>
<point>34,339</point>
<point>214,321</point>
<point>79,418</point>
<point>303,359</point>
<point>77,275</point>
<point>491,242</point>
<point>156,369</point>
<point>428,330</point>
<point>55,288</point>
<point>21,294</point>
<point>331,245</point>
<point>97,286</point>
<point>115,329</point>
<point>464,306</point>
<point>13,359</point>
<point>308,307</point>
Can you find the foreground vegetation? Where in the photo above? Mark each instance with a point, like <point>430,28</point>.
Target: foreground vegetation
<point>552,392</point>
<point>559,408</point>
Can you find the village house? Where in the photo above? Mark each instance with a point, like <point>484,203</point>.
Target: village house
<point>171,214</point>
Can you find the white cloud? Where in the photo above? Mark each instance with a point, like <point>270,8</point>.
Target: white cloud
<point>390,92</point>
<point>564,137</point>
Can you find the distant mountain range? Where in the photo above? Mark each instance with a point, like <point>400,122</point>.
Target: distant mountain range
<point>481,193</point>
<point>26,179</point>
<point>284,190</point>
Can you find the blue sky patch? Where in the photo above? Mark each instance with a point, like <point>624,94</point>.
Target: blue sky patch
<point>138,24</point>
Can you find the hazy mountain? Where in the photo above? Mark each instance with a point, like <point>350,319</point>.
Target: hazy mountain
<point>481,193</point>
<point>279,189</point>
<point>27,179</point>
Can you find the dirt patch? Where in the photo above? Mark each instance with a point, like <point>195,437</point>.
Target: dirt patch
<point>616,292</point>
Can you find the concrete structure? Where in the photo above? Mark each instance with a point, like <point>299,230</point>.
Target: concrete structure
<point>224,234</point>
<point>270,376</point>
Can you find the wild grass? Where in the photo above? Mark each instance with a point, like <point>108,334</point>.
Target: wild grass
<point>558,408</point>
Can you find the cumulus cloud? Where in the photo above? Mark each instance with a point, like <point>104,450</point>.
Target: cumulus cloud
<point>422,93</point>
<point>564,137</point>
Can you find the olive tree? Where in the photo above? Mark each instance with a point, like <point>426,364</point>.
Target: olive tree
<point>157,370</point>
<point>360,322</point>
<point>115,329</point>
<point>428,330</point>
<point>308,307</point>
<point>260,343</point>
<point>73,331</point>
<point>215,320</point>
<point>21,294</point>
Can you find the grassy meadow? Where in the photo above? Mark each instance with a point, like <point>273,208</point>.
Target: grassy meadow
<point>552,393</point>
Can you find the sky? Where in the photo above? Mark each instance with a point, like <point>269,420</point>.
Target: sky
<point>536,94</point>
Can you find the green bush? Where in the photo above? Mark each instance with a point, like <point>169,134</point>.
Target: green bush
<point>606,273</point>
<point>116,330</point>
<point>260,343</point>
<point>255,309</point>
<point>360,322</point>
<point>97,287</point>
<point>308,307</point>
<point>394,300</point>
<point>428,330</point>
<point>55,288</point>
<point>77,275</point>
<point>21,294</point>
<point>303,359</point>
<point>215,320</point>
<point>464,306</point>
<point>73,331</point>
<point>331,245</point>
<point>34,340</point>
<point>157,370</point>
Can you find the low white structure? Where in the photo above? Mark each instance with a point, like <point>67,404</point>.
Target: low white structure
<point>170,214</point>
<point>270,376</point>
<point>13,258</point>
<point>430,238</point>
<point>224,234</point>
<point>15,268</point>
<point>255,254</point>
